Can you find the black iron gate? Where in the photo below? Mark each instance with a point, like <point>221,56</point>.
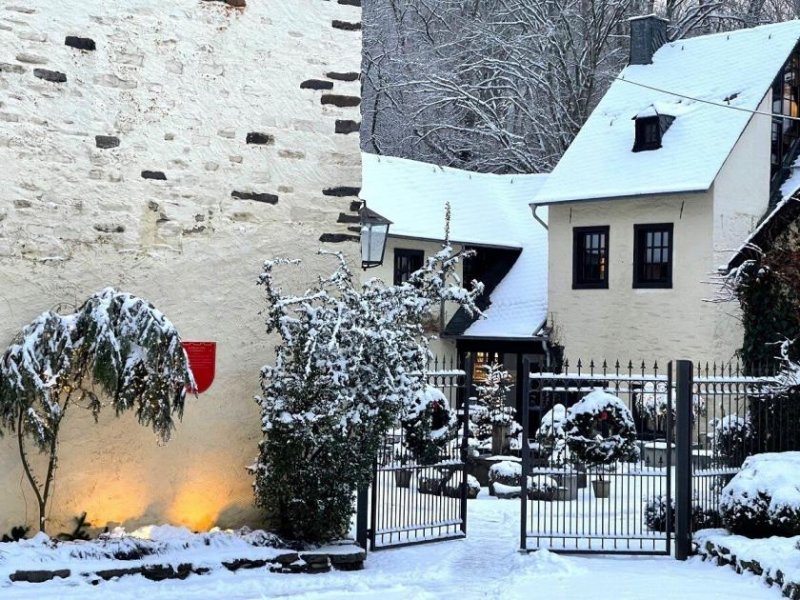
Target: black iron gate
<point>625,507</point>
<point>412,503</point>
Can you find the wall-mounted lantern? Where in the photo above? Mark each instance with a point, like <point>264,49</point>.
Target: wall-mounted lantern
<point>374,232</point>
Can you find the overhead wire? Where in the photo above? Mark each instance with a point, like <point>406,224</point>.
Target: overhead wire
<point>704,101</point>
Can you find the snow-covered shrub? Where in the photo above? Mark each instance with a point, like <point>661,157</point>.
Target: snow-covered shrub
<point>428,425</point>
<point>541,487</point>
<point>655,514</point>
<point>732,439</point>
<point>453,490</point>
<point>763,498</point>
<point>506,473</point>
<point>349,361</point>
<point>655,405</point>
<point>600,430</point>
<point>551,436</point>
<point>115,344</point>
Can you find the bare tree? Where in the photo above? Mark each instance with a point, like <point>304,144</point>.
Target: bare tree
<point>504,86</point>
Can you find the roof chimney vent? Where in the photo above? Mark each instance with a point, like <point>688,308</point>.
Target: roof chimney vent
<point>648,34</point>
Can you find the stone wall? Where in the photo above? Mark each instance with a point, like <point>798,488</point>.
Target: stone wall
<point>167,148</point>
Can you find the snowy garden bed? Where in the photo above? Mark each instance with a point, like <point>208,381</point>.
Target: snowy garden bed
<point>166,552</point>
<point>775,559</point>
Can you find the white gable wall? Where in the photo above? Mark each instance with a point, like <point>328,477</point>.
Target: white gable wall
<point>662,324</point>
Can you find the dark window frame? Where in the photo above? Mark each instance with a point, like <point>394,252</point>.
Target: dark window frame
<point>406,254</point>
<point>640,247</point>
<point>579,282</point>
<point>649,132</point>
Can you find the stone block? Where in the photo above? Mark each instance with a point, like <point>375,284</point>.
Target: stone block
<point>48,75</point>
<point>81,43</point>
<point>106,141</point>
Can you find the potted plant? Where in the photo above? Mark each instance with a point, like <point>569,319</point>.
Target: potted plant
<point>428,426</point>
<point>600,431</point>
<point>402,476</point>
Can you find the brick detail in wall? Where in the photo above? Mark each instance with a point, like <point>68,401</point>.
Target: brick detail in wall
<point>9,68</point>
<point>346,25</point>
<point>340,101</point>
<point>81,43</point>
<point>346,126</point>
<point>345,218</point>
<point>337,238</point>
<point>258,197</point>
<point>341,191</point>
<point>159,175</point>
<point>106,141</point>
<point>48,75</point>
<point>352,76</point>
<point>355,205</point>
<point>316,84</point>
<point>256,137</point>
<point>350,2</point>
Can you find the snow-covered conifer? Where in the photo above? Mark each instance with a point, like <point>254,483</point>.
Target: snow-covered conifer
<point>349,360</point>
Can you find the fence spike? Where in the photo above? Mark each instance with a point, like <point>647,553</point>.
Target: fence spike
<point>566,366</point>
<point>591,367</point>
<point>630,368</point>
<point>579,367</point>
<point>616,368</point>
<point>605,367</point>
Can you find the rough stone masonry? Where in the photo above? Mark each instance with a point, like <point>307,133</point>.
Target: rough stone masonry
<point>167,149</point>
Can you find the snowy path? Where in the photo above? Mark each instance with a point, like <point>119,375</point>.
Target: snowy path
<point>485,565</point>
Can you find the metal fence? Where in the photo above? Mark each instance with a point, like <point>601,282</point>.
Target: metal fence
<point>571,506</point>
<point>694,429</point>
<point>742,414</point>
<point>422,499</point>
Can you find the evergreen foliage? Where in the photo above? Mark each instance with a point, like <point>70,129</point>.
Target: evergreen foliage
<point>115,346</point>
<point>349,361</point>
<point>600,430</point>
<point>428,425</point>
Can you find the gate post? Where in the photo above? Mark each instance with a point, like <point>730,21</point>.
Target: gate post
<point>683,459</point>
<point>526,454</point>
<point>361,516</point>
<point>468,365</point>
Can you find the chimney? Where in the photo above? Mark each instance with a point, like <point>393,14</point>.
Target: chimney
<point>648,34</point>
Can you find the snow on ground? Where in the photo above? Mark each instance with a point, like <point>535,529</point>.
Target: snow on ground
<point>485,565</point>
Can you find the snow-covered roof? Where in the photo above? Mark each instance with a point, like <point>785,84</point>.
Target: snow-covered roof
<point>488,210</point>
<point>734,69</point>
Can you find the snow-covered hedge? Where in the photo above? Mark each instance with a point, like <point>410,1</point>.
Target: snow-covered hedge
<point>763,499</point>
<point>655,514</point>
<point>732,439</point>
<point>600,430</point>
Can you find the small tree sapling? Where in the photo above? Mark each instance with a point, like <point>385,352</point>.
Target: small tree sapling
<point>116,346</point>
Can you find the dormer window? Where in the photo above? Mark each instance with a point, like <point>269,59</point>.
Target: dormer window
<point>650,130</point>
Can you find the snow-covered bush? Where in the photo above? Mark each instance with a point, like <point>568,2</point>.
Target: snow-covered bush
<point>349,361</point>
<point>541,487</point>
<point>551,436</point>
<point>655,514</point>
<point>763,498</point>
<point>115,344</point>
<point>732,439</point>
<point>506,472</point>
<point>428,425</point>
<point>453,489</point>
<point>600,430</point>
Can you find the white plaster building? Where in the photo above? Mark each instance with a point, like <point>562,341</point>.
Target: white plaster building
<point>167,149</point>
<point>671,172</point>
<point>490,215</point>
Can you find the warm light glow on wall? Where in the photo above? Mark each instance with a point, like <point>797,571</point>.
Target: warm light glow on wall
<point>117,501</point>
<point>199,501</point>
